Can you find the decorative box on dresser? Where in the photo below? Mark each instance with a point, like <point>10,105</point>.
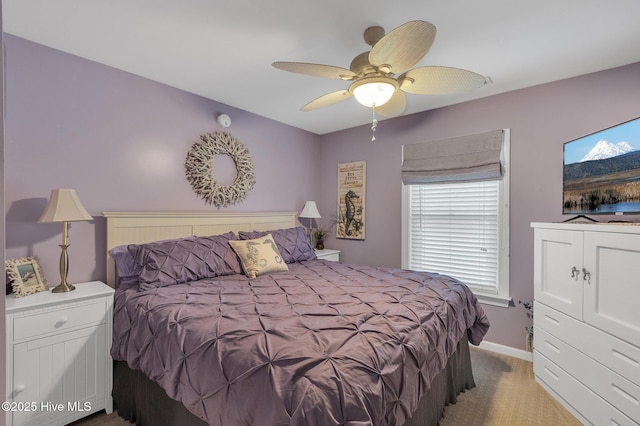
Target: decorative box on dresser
<point>328,254</point>
<point>59,368</point>
<point>587,319</point>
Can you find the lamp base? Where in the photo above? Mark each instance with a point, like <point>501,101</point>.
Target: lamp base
<point>63,288</point>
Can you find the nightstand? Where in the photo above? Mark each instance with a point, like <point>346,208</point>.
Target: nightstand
<point>328,254</point>
<point>59,367</point>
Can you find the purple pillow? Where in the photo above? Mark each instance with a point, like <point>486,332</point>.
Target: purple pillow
<point>126,268</point>
<point>189,259</point>
<point>293,243</point>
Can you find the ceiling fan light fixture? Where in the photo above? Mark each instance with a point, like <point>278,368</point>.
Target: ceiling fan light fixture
<point>374,91</point>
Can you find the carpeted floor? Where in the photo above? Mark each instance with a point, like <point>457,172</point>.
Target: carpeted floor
<point>506,394</point>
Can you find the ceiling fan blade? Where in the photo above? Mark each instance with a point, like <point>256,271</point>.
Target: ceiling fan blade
<point>316,70</point>
<point>395,106</point>
<point>326,100</point>
<point>403,47</point>
<point>440,80</point>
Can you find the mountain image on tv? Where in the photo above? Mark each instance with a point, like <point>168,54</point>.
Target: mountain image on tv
<point>602,171</point>
<point>605,149</point>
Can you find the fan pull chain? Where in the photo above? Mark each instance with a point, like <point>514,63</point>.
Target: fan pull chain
<point>374,124</point>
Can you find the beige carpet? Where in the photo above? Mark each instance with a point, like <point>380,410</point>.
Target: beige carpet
<point>506,394</point>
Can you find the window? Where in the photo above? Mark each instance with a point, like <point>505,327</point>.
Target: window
<point>461,229</point>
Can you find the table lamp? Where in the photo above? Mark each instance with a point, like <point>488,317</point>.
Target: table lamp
<point>310,211</point>
<point>64,206</point>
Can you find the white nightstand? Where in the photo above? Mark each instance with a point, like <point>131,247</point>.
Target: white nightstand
<point>328,254</point>
<point>59,367</point>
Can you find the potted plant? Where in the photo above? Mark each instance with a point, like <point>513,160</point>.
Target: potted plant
<point>319,235</point>
<point>529,339</point>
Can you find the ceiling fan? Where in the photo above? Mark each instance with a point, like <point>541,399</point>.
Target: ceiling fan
<point>379,77</point>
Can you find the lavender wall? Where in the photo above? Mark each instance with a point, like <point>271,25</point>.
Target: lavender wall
<point>541,119</point>
<point>121,141</point>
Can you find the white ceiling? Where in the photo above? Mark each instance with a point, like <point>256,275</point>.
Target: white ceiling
<point>223,49</point>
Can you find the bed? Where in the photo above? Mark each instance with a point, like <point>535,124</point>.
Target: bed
<point>305,342</point>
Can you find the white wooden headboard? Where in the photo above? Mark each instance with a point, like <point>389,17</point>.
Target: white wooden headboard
<point>144,227</point>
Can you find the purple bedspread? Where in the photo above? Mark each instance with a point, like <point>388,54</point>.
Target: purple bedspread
<point>323,344</point>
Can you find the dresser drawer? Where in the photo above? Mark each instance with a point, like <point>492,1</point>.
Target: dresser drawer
<point>614,353</point>
<point>615,389</point>
<point>575,396</point>
<point>42,323</point>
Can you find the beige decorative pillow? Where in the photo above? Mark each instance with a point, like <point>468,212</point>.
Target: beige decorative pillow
<point>259,256</point>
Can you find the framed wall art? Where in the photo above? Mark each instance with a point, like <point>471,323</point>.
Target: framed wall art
<point>25,275</point>
<point>351,200</point>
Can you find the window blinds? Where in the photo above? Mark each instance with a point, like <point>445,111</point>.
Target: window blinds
<point>453,230</point>
<point>466,158</point>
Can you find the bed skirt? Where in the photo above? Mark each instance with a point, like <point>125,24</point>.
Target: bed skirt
<point>138,399</point>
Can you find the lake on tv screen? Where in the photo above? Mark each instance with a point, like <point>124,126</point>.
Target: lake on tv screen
<point>606,208</point>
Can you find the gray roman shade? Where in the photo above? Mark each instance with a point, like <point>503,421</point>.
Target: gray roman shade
<point>460,159</point>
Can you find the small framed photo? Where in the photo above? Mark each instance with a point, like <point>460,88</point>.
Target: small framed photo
<point>25,275</point>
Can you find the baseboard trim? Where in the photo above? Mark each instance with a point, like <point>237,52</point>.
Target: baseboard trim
<point>506,350</point>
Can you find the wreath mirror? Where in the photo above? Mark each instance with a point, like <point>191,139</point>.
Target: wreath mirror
<point>199,169</point>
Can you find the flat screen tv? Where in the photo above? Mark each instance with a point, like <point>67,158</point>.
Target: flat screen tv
<point>601,173</point>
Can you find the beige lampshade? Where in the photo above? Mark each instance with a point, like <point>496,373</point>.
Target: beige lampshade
<point>310,211</point>
<point>64,206</point>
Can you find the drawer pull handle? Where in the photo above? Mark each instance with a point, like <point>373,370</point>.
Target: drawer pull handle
<point>552,320</point>
<point>551,373</point>
<point>62,322</point>
<point>587,276</point>
<point>625,358</point>
<point>625,394</point>
<point>552,346</point>
<point>575,273</point>
<point>19,389</point>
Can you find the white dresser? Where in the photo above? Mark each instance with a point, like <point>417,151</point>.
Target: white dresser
<point>58,364</point>
<point>587,319</point>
